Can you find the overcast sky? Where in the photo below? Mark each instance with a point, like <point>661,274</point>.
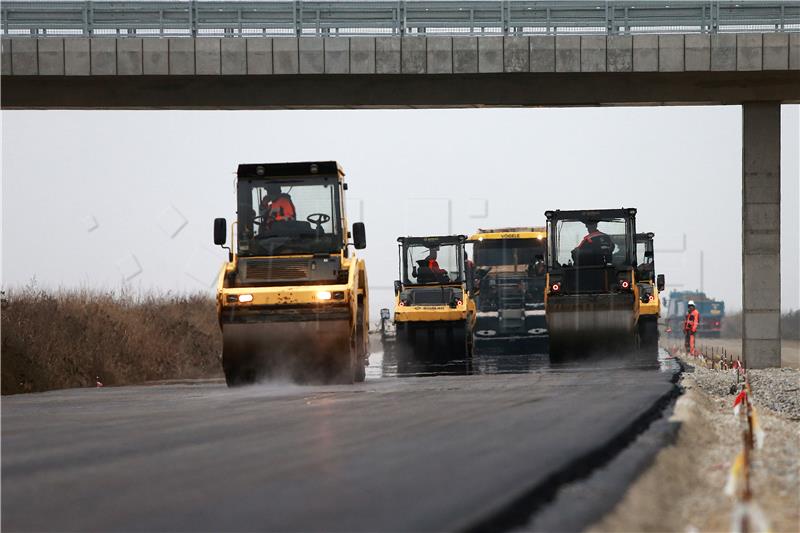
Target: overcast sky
<point>104,198</point>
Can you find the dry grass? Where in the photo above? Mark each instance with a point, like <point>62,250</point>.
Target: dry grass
<point>790,325</point>
<point>67,339</point>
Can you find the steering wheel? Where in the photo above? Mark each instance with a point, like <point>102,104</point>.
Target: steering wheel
<point>318,218</point>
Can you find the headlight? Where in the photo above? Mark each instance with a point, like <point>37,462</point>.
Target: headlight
<point>323,295</point>
<point>245,298</point>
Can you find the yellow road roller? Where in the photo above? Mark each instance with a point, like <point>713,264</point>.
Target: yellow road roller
<point>650,287</point>
<point>591,298</point>
<point>434,312</point>
<point>292,298</point>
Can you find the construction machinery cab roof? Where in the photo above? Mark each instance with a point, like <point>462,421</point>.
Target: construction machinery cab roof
<point>435,240</point>
<point>590,215</point>
<point>539,233</point>
<point>284,170</point>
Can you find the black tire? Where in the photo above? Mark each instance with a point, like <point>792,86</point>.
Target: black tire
<point>648,335</point>
<point>361,373</point>
<point>557,350</point>
<point>361,358</point>
<point>235,374</point>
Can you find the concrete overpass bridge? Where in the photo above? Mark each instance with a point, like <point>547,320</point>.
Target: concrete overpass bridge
<point>265,55</point>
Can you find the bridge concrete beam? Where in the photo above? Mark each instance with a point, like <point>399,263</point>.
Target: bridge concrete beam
<point>671,51</point>
<point>619,53</point>
<point>285,56</point>
<point>233,56</point>
<point>77,57</point>
<point>723,52</point>
<point>362,55</point>
<point>312,55</point>
<point>645,53</point>
<point>465,55</point>
<point>208,56</point>
<point>51,57</point>
<point>337,55</point>
<point>155,57</point>
<point>697,53</point>
<point>761,222</point>
<point>490,55</point>
<point>516,54</point>
<point>387,55</point>
<point>776,51</point>
<point>130,60</point>
<point>543,53</point>
<point>181,56</point>
<point>259,56</point>
<point>593,53</point>
<point>794,51</point>
<point>414,55</point>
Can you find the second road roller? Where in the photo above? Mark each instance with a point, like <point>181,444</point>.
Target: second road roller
<point>434,311</point>
<point>292,298</point>
<point>591,298</point>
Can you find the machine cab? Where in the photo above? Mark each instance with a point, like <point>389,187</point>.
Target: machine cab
<point>290,209</point>
<point>291,225</point>
<point>645,259</point>
<point>591,251</point>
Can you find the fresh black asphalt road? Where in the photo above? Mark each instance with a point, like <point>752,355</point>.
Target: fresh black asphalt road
<point>436,453</point>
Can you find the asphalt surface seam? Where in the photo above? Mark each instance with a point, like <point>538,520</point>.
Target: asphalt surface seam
<point>522,510</point>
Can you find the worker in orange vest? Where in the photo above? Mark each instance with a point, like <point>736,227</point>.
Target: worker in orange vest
<point>435,271</point>
<point>690,327</point>
<point>276,206</point>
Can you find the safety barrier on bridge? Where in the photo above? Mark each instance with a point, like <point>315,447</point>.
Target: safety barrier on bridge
<point>197,18</point>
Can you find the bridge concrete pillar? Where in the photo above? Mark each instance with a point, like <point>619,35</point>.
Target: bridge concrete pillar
<point>761,244</point>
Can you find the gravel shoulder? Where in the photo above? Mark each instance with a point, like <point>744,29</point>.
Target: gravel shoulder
<point>683,489</point>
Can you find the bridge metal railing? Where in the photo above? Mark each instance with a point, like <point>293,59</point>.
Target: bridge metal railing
<point>394,17</point>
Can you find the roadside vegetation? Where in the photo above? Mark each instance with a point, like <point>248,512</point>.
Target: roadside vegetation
<point>74,338</point>
<point>790,326</point>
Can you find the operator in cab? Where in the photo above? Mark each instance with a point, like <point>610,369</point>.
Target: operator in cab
<point>276,206</point>
<point>595,248</point>
<point>690,324</point>
<point>429,269</point>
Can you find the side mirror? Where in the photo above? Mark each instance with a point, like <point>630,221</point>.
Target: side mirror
<point>660,282</point>
<point>385,314</point>
<point>220,231</point>
<point>398,286</point>
<point>359,236</point>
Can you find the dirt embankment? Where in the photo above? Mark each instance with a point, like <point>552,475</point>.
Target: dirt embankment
<point>68,339</point>
<point>683,490</point>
